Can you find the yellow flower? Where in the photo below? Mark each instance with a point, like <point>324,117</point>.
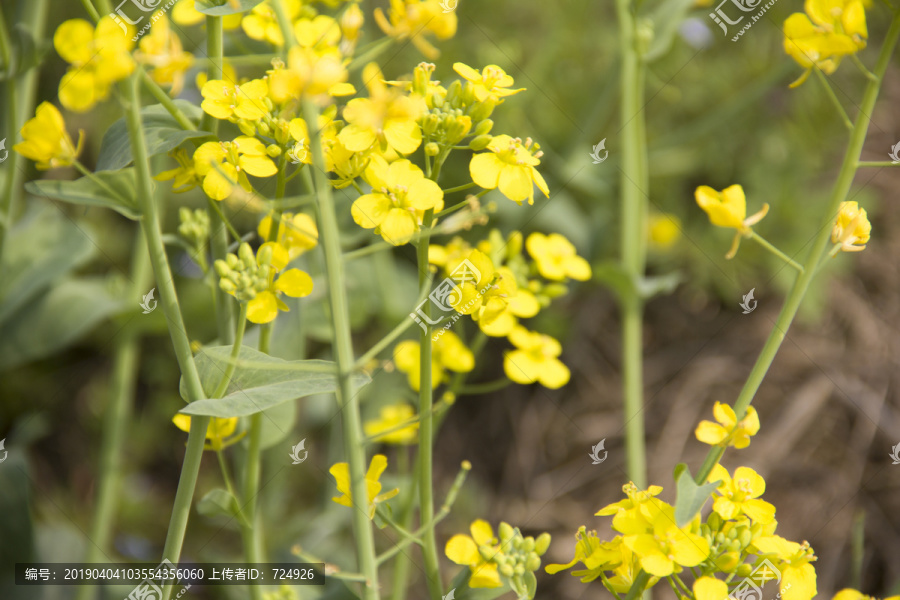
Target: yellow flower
<point>309,72</point>
<point>556,258</point>
<point>728,208</point>
<point>597,556</point>
<point>710,588</point>
<point>98,58</point>
<point>390,417</point>
<point>509,165</point>
<point>535,359</point>
<point>184,175</point>
<point>261,23</point>
<point>830,30</point>
<point>223,164</point>
<point>464,550</point>
<point>218,430</point>
<point>400,196</point>
<point>414,20</point>
<point>223,100</point>
<point>184,13</point>
<point>728,431</point>
<point>162,50</point>
<point>491,84</point>
<point>629,514</point>
<point>798,576</point>
<point>667,547</point>
<point>448,352</point>
<point>320,33</point>
<point>296,232</point>
<point>663,230</point>
<point>387,117</point>
<point>341,474</point>
<point>852,228</point>
<point>740,495</point>
<point>264,307</point>
<point>45,140</point>
<point>851,594</point>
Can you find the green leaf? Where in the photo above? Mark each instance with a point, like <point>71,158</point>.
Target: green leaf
<point>113,190</point>
<point>221,8</point>
<point>530,584</point>
<point>40,249</point>
<point>260,381</point>
<point>690,497</point>
<point>218,502</point>
<point>26,53</point>
<point>277,424</point>
<point>55,319</point>
<point>161,132</point>
<point>667,18</point>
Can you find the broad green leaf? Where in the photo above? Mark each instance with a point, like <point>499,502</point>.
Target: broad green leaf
<point>220,8</point>
<point>109,189</point>
<point>667,18</point>
<point>260,381</point>
<point>278,423</point>
<point>690,497</point>
<point>55,319</point>
<point>41,248</point>
<point>218,502</point>
<point>161,132</point>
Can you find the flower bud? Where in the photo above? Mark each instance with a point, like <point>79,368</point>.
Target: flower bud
<point>458,129</point>
<point>227,286</point>
<point>480,142</point>
<point>728,561</point>
<point>247,128</point>
<point>273,151</point>
<point>506,571</point>
<point>264,128</point>
<point>222,267</point>
<point>482,110</point>
<point>555,290</point>
<point>454,92</point>
<point>484,127</point>
<point>486,552</point>
<point>745,537</point>
<point>520,570</point>
<point>422,77</point>
<point>506,532</point>
<point>432,149</point>
<point>533,562</point>
<point>528,544</point>
<point>744,570</point>
<point>541,544</point>
<point>430,123</point>
<point>246,255</point>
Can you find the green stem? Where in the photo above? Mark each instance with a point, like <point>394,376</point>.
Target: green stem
<point>768,246</point>
<point>869,74</point>
<point>884,163</point>
<point>160,94</point>
<point>834,99</point>
<point>484,388</point>
<point>251,537</point>
<point>801,285</point>
<point>215,57</point>
<point>633,185</point>
<point>91,11</point>
<point>235,352</point>
<point>284,23</point>
<point>169,301</point>
<point>343,353</point>
<point>389,338</point>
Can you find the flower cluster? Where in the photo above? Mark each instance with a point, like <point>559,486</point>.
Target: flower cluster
<point>826,33</point>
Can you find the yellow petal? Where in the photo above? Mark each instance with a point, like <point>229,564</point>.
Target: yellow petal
<point>516,183</point>
<point>553,374</point>
<point>263,308</point>
<point>182,422</point>
<point>398,226</point>
<point>485,170</point>
<point>462,550</point>
<point>710,433</point>
<point>710,588</point>
<point>482,532</point>
<point>370,210</point>
<point>72,41</point>
<point>295,283</point>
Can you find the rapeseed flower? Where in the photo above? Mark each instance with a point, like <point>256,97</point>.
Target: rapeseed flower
<point>597,556</point>
<point>224,164</point>
<point>728,431</point>
<point>852,228</point>
<point>663,230</point>
<point>184,13</point>
<point>666,547</point>
<point>341,474</point>
<point>262,24</point>
<point>710,588</point>
<point>448,353</point>
<point>851,594</point>
<point>309,72</point>
<point>218,432</point>
<point>466,550</point>
<point>830,30</point>
<point>728,208</point>
<point>46,141</point>
<point>184,176</point>
<point>556,258</point>
<point>740,495</point>
<point>492,83</point>
<point>414,20</point>
<point>162,50</point>
<point>264,307</point>
<point>798,576</point>
<point>535,359</point>
<point>296,232</point>
<point>510,165</point>
<point>390,417</point>
<point>400,196</point>
<point>224,100</point>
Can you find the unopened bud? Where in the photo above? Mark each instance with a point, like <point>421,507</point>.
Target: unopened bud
<point>484,127</point>
<point>533,562</point>
<point>480,142</point>
<point>542,544</point>
<point>222,267</point>
<point>273,150</point>
<point>506,532</point>
<point>458,129</point>
<point>430,123</point>
<point>247,128</point>
<point>432,149</point>
<point>506,571</point>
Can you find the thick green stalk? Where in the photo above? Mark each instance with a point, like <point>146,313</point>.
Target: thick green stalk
<point>169,302</point>
<point>343,351</point>
<point>251,537</point>
<point>801,285</point>
<point>632,246</point>
<point>426,426</point>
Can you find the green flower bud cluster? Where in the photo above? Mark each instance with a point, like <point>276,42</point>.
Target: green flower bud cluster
<point>243,274</point>
<point>193,226</point>
<point>730,541</point>
<point>517,558</point>
<point>446,126</point>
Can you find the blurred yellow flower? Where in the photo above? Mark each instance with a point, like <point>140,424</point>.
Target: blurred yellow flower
<point>387,117</point>
<point>851,594</point>
<point>414,20</point>
<point>320,33</point>
<point>223,100</point>
<point>852,228</point>
<point>224,164</point>
<point>830,30</point>
<point>390,417</point>
<point>728,208</point>
<point>509,165</point>
<point>296,232</point>
<point>448,352</point>
<point>46,141</point>
<point>491,84</point>
<point>98,58</point>
<point>556,258</point>
<point>740,495</point>
<point>341,474</point>
<point>535,359</point>
<point>184,13</point>
<point>464,550</point>
<point>798,576</point>
<point>162,50</point>
<point>262,24</point>
<point>217,431</point>
<point>400,196</point>
<point>184,176</point>
<point>664,230</point>
<point>308,72</point>
<point>728,431</point>
<point>710,588</point>
<point>597,556</point>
